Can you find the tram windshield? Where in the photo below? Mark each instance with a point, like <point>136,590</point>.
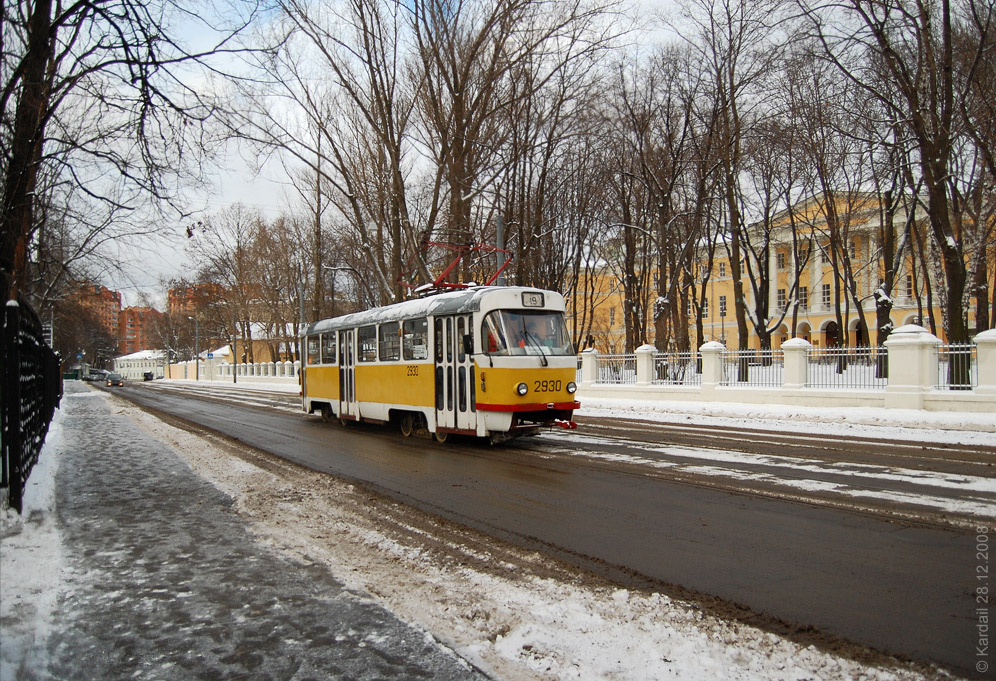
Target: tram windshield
<point>526,332</point>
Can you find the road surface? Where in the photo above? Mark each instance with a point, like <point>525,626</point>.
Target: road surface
<point>856,556</point>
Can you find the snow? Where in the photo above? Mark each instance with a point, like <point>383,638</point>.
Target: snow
<point>27,541</point>
<point>510,612</point>
<point>890,424</point>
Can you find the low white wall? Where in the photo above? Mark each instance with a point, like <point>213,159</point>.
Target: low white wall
<point>913,370</point>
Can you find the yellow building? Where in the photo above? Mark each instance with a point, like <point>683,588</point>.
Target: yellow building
<point>830,259</point>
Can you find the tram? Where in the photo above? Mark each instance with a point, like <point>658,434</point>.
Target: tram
<point>489,361</point>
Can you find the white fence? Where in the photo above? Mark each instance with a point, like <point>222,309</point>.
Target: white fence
<point>220,370</point>
<point>913,371</point>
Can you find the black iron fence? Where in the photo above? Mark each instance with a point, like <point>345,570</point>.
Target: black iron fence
<point>30,390</point>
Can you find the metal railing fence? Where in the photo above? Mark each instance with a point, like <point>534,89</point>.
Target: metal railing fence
<point>677,368</point>
<point>957,366</point>
<point>31,387</point>
<point>754,368</point>
<point>616,369</point>
<point>846,367</point>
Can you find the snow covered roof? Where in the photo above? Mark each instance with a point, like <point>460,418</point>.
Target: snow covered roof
<point>141,354</point>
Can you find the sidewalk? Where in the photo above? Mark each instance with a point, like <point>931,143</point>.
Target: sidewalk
<point>137,568</point>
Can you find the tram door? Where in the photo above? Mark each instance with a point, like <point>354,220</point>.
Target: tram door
<point>455,395</point>
<point>347,376</point>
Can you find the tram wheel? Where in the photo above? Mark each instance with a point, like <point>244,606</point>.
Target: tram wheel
<point>407,424</point>
<point>326,413</point>
<point>441,437</point>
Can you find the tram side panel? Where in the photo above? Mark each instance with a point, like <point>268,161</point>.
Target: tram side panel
<point>381,388</point>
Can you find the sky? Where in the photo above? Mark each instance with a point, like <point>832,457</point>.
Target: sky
<point>148,263</point>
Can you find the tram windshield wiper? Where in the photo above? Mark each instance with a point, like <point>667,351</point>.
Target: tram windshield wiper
<point>533,342</point>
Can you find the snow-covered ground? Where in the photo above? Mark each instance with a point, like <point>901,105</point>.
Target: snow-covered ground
<point>515,614</point>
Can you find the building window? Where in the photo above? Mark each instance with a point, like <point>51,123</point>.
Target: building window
<point>826,295</point>
<point>803,297</point>
<point>781,299</point>
<point>909,286</point>
<point>780,260</point>
<point>705,309</point>
<point>612,316</point>
<point>722,306</point>
<point>722,269</point>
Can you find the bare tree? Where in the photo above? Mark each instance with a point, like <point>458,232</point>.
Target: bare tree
<point>737,47</point>
<point>98,106</point>
<point>903,54</point>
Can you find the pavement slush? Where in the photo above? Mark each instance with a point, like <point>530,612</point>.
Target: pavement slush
<point>163,580</point>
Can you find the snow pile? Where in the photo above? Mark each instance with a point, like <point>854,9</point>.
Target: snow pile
<point>32,564</point>
<point>895,424</point>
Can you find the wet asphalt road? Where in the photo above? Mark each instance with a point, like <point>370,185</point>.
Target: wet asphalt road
<point>167,583</point>
<point>900,588</point>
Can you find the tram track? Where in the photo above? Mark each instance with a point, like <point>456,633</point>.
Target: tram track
<point>900,480</point>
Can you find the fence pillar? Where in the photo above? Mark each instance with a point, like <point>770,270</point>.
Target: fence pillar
<point>985,343</point>
<point>712,367</point>
<point>912,366</point>
<point>645,364</point>
<point>796,363</point>
<point>589,366</point>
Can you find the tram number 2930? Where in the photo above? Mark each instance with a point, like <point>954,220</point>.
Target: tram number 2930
<point>547,386</point>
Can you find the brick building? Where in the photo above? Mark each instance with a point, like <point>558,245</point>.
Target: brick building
<point>138,330</point>
<point>104,303</point>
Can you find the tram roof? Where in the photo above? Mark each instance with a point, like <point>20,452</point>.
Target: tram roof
<point>461,301</point>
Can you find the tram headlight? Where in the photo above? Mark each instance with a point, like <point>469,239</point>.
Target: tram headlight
<point>522,388</point>
<point>572,387</point>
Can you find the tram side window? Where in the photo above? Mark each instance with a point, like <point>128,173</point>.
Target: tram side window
<point>313,344</point>
<point>328,348</point>
<point>416,339</point>
<point>366,339</point>
<point>390,342</point>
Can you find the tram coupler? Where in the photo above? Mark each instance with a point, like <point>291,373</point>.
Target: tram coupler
<point>566,425</point>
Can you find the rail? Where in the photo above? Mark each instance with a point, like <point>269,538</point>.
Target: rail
<point>616,369</point>
<point>912,370</point>
<point>864,368</point>
<point>32,389</point>
<point>677,368</point>
<point>957,367</point>
<point>758,368</point>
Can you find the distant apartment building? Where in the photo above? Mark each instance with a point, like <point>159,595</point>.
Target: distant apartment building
<point>138,330</point>
<point>103,303</point>
<point>190,299</point>
<point>133,328</point>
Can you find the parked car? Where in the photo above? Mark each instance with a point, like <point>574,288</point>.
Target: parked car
<point>115,379</point>
<point>148,376</point>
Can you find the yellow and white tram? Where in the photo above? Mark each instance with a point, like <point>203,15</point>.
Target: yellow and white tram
<point>486,361</point>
